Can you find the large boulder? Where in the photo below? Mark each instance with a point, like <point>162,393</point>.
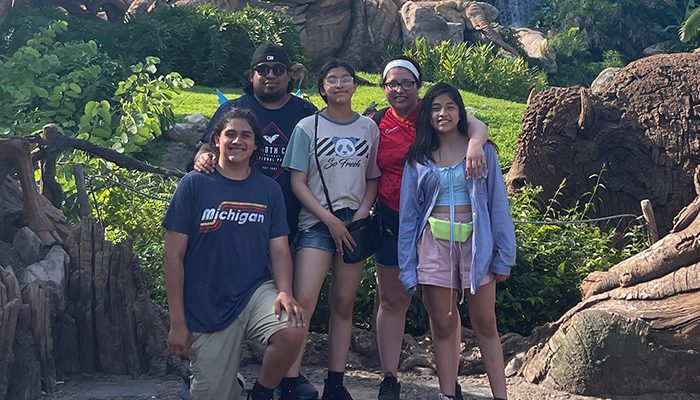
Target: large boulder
<point>421,20</point>
<point>375,24</point>
<point>642,134</point>
<point>534,44</point>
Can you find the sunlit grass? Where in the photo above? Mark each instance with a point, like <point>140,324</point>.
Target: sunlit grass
<point>501,116</point>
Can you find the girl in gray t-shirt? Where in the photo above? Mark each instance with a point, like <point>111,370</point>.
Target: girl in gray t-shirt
<point>344,145</point>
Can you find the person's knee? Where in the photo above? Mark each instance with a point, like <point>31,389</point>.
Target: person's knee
<point>444,327</point>
<point>484,325</point>
<point>288,338</point>
<point>393,301</point>
<point>341,304</point>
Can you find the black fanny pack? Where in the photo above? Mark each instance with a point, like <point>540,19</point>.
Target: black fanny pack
<point>388,218</point>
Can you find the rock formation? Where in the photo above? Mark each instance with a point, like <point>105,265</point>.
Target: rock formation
<point>642,131</point>
<point>70,301</point>
<point>637,329</point>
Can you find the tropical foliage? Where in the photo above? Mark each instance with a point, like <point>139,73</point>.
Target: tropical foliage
<point>476,68</point>
<point>204,43</point>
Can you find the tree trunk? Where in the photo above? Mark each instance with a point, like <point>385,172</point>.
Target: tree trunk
<point>637,329</point>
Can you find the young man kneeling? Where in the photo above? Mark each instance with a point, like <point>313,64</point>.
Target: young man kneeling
<point>220,229</point>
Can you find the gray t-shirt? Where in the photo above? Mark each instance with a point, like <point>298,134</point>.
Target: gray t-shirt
<point>347,153</point>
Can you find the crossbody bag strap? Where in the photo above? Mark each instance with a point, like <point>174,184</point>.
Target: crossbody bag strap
<point>318,163</point>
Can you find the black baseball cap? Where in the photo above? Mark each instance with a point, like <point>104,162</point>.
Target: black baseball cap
<point>269,52</point>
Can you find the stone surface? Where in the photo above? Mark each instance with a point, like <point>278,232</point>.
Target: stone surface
<point>534,44</point>
<point>52,268</point>
<point>185,133</point>
<point>28,245</point>
<point>177,156</point>
<point>198,120</point>
<point>422,21</point>
<point>600,83</point>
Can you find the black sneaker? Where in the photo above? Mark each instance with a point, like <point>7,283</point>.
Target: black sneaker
<point>336,393</point>
<point>390,388</point>
<point>302,390</point>
<point>458,391</point>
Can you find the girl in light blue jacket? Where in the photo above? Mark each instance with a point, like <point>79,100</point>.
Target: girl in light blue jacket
<point>456,236</point>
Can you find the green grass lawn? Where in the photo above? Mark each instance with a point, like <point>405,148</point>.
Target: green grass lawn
<point>501,116</point>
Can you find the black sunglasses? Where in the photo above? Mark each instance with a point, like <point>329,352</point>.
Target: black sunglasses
<point>264,69</point>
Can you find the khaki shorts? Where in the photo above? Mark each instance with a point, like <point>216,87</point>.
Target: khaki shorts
<point>215,357</point>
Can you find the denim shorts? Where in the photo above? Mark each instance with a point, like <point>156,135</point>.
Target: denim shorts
<point>388,253</point>
<point>318,236</point>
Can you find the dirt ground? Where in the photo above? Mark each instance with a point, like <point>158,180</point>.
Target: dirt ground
<point>419,384</point>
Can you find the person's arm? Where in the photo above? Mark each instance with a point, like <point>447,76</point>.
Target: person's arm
<point>205,159</point>
<point>372,187</point>
<point>476,159</point>
<point>502,227</point>
<point>409,222</point>
<point>337,228</point>
<point>281,266</point>
<point>179,337</point>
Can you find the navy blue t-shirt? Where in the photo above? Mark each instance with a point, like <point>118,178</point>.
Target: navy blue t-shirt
<point>229,224</point>
<point>277,127</point>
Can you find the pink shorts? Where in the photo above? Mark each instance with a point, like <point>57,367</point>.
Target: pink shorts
<point>436,268</point>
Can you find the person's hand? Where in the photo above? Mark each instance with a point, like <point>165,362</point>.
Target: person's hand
<point>206,163</point>
<point>360,214</point>
<point>286,302</point>
<point>501,278</point>
<point>179,340</point>
<point>340,234</point>
<point>476,161</point>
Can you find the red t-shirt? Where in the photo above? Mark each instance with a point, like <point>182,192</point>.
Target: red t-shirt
<point>395,137</point>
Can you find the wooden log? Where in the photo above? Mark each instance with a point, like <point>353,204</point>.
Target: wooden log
<point>673,251</point>
<point>15,155</point>
<point>10,303</point>
<point>650,219</point>
<point>25,382</point>
<point>37,297</point>
<point>128,332</point>
<point>48,186</point>
<point>84,208</point>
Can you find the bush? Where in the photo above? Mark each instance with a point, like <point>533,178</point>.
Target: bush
<point>627,26</point>
<point>203,43</point>
<point>574,60</point>
<point>476,68</point>
<point>552,260</point>
<point>46,80</point>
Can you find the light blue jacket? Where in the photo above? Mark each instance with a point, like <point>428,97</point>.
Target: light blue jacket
<point>493,240</point>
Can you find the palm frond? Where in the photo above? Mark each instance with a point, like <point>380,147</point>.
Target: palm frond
<point>690,27</point>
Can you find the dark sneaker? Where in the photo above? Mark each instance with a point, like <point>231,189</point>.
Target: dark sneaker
<point>390,388</point>
<point>336,393</point>
<point>458,392</point>
<point>302,390</point>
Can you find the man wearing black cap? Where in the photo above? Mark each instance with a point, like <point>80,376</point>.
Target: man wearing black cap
<point>277,112</point>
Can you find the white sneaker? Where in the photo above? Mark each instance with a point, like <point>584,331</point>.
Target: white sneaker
<point>443,397</point>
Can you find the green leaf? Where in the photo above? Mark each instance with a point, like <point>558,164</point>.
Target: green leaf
<point>75,87</point>
<point>101,133</point>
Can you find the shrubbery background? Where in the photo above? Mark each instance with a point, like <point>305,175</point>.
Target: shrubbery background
<point>114,85</point>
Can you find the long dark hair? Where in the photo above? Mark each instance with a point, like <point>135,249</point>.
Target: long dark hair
<point>427,141</point>
<point>329,66</point>
<point>237,113</point>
